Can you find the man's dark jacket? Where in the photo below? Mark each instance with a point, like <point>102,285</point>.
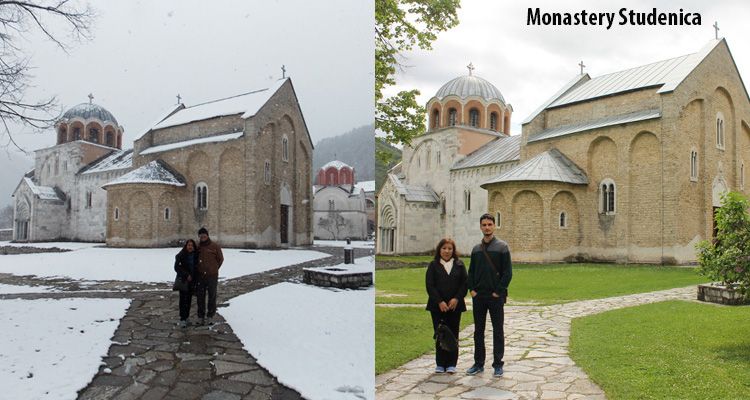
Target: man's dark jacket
<point>483,278</point>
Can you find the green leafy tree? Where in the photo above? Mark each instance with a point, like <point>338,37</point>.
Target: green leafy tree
<point>400,25</point>
<point>727,258</point>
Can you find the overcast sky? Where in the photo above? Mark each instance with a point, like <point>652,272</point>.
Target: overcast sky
<point>143,53</point>
<point>528,64</point>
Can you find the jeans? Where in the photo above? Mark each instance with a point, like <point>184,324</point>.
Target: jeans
<point>203,285</point>
<point>444,358</point>
<point>493,305</point>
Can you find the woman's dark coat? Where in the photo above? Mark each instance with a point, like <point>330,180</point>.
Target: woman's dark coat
<point>184,267</point>
<point>443,287</point>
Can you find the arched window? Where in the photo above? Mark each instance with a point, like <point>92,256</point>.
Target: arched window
<point>435,119</point>
<point>607,199</point>
<point>285,148</point>
<point>498,220</point>
<point>201,196</point>
<point>89,199</point>
<point>493,121</point>
<point>452,117</point>
<point>693,165</point>
<point>438,157</point>
<point>76,133</point>
<point>563,220</point>
<point>474,117</point>
<point>61,136</point>
<point>57,167</point>
<point>167,214</point>
<point>720,130</point>
<point>267,172</point>
<point>467,200</point>
<point>94,135</point>
<point>110,139</point>
<point>117,214</point>
<point>427,159</point>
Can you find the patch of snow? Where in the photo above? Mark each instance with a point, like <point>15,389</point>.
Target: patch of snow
<point>186,143</point>
<point>364,264</point>
<point>356,244</point>
<point>152,172</point>
<point>336,164</point>
<point>143,265</point>
<point>318,341</point>
<point>246,104</point>
<point>367,186</point>
<point>43,192</point>
<point>119,159</point>
<point>15,289</point>
<point>53,348</point>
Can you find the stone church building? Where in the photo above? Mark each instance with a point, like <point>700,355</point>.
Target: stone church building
<point>340,205</point>
<point>239,166</point>
<point>61,198</point>
<point>623,167</point>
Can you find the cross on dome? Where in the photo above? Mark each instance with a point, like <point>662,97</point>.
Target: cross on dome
<point>91,98</point>
<point>470,67</point>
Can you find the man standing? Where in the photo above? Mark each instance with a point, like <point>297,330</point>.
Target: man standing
<point>210,259</point>
<point>490,273</point>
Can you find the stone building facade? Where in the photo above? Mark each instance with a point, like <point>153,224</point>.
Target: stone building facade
<point>643,156</point>
<point>238,166</point>
<point>625,167</point>
<point>61,198</point>
<point>434,192</point>
<point>340,206</point>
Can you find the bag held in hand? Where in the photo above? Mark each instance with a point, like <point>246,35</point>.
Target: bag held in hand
<point>445,338</point>
<point>180,284</point>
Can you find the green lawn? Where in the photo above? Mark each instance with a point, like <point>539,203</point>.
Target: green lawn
<point>403,334</point>
<point>549,283</point>
<point>669,350</point>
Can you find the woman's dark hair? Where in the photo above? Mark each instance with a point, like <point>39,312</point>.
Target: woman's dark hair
<point>440,246</point>
<point>195,246</point>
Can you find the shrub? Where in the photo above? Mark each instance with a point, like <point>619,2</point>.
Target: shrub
<point>727,258</point>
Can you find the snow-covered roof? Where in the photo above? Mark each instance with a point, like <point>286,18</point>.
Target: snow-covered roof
<point>120,159</point>
<point>336,164</point>
<point>156,172</point>
<point>42,192</point>
<point>497,151</point>
<point>210,139</point>
<point>367,186</point>
<point>552,165</point>
<point>246,104</point>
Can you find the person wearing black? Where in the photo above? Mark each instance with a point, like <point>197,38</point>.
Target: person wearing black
<point>446,286</point>
<point>490,273</point>
<point>185,263</point>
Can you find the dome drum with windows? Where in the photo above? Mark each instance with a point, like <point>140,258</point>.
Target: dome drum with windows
<point>90,122</point>
<point>469,101</point>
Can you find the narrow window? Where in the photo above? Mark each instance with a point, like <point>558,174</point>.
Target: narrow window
<point>167,214</point>
<point>452,117</point>
<point>474,117</point>
<point>89,199</point>
<point>76,133</point>
<point>611,202</point>
<point>435,119</point>
<point>331,205</point>
<point>498,220</point>
<point>693,165</point>
<point>493,121</point>
<point>267,172</point>
<point>94,135</point>
<point>285,149</point>
<point>607,204</point>
<point>427,159</point>
<point>117,214</point>
<point>201,196</point>
<point>603,207</point>
<point>563,221</point>
<point>468,201</point>
<point>110,139</point>
<point>720,131</point>
<point>438,157</point>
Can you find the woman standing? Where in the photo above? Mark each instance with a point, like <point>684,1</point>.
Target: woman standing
<point>185,264</point>
<point>446,285</point>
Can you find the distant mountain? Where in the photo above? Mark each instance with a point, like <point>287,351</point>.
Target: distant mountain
<point>14,165</point>
<point>356,148</point>
<point>381,168</point>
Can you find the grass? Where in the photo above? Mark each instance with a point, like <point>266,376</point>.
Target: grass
<point>669,350</point>
<point>403,334</point>
<point>549,283</point>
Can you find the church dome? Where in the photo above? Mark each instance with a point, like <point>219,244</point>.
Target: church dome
<point>470,85</point>
<point>87,111</point>
<point>336,164</point>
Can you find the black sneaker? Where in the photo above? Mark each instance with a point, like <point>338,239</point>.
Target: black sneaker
<point>475,369</point>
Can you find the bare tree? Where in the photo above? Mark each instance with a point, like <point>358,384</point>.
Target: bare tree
<point>6,217</point>
<point>18,18</point>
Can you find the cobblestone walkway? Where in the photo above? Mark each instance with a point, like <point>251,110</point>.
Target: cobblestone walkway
<point>537,365</point>
<point>152,358</point>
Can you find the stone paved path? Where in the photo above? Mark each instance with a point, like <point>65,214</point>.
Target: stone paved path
<point>151,358</point>
<point>537,365</point>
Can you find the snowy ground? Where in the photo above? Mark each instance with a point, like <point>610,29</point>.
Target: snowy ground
<point>15,289</point>
<point>143,265</point>
<point>356,244</point>
<point>52,348</point>
<point>49,245</point>
<point>315,340</point>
